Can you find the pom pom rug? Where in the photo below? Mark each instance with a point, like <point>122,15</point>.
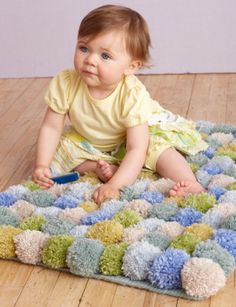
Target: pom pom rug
<point>180,246</point>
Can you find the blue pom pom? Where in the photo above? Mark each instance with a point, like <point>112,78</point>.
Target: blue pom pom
<point>217,191</point>
<point>209,153</point>
<point>66,201</point>
<point>187,216</point>
<point>7,199</point>
<point>152,197</point>
<point>227,239</point>
<point>165,272</point>
<point>96,216</point>
<point>234,134</point>
<point>212,168</point>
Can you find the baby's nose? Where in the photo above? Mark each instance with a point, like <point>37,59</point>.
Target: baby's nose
<point>91,59</point>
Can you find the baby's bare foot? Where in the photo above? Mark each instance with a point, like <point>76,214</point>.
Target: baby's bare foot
<point>183,188</point>
<point>104,170</point>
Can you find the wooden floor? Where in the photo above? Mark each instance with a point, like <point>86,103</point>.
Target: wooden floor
<point>204,96</point>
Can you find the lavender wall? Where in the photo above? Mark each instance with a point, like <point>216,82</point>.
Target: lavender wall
<point>37,38</point>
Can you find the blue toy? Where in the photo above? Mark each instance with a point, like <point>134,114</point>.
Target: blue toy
<point>66,178</point>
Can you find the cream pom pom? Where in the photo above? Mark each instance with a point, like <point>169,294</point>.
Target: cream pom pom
<point>202,277</point>
<point>29,245</point>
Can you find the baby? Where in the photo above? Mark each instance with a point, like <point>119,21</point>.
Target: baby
<point>116,128</point>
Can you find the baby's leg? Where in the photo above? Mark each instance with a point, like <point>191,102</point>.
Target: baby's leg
<point>103,169</point>
<point>171,164</point>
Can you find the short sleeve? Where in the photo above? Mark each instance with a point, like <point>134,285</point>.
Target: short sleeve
<point>57,95</point>
<point>137,107</point>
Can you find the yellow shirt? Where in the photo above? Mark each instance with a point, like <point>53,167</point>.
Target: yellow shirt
<point>102,122</point>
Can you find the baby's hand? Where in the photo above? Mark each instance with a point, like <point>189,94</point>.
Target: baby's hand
<point>42,176</point>
<point>105,191</point>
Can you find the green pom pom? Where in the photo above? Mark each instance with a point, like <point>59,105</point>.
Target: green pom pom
<point>111,259</point>
<point>108,232</point>
<point>158,239</point>
<point>34,222</point>
<point>127,218</point>
<point>7,217</point>
<point>32,186</point>
<point>40,198</point>
<point>55,250</point>
<point>230,222</point>
<point>7,246</point>
<point>194,167</point>
<point>228,150</point>
<point>83,256</point>
<point>232,186</point>
<point>164,211</point>
<point>201,202</point>
<point>186,242</point>
<point>203,231</point>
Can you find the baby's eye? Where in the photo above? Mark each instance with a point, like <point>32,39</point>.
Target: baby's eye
<point>83,49</point>
<point>106,56</point>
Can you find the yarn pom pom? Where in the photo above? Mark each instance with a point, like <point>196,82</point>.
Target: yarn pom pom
<point>203,178</point>
<point>228,150</point>
<point>150,224</point>
<point>83,256</point>
<point>187,216</point>
<point>164,210</point>
<point>138,258</point>
<point>7,246</point>
<point>34,222</point>
<point>23,209</point>
<point>212,250</point>
<point>152,197</point>
<point>171,229</point>
<point>108,232</point>
<point>186,241</point>
<point>79,231</point>
<point>202,277</point>
<point>18,191</point>
<point>89,206</point>
<point>221,180</point>
<point>201,202</point>
<point>199,159</point>
<point>162,185</point>
<point>7,199</point>
<point>8,218</point>
<point>141,206</point>
<point>47,211</point>
<point>203,231</point>
<point>229,196</point>
<point>166,269</point>
<point>232,186</point>
<point>133,234</point>
<point>74,214</point>
<point>133,191</point>
<point>216,191</point>
<point>55,226</point>
<point>66,201</point>
<point>204,126</point>
<point>78,190</point>
<point>127,217</point>
<point>31,185</point>
<point>29,245</point>
<point>227,239</point>
<point>55,250</point>
<point>40,198</point>
<point>230,222</point>
<point>158,239</point>
<point>111,259</point>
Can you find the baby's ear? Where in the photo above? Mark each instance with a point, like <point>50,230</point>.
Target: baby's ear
<point>133,67</point>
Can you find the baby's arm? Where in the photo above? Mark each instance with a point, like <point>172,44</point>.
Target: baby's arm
<point>48,139</point>
<point>136,149</point>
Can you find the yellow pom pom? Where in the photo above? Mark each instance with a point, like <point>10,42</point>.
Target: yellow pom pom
<point>108,232</point>
<point>7,246</point>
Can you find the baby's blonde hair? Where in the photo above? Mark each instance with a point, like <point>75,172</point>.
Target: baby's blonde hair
<point>115,17</point>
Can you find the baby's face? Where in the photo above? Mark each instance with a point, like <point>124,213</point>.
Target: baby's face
<point>103,60</point>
